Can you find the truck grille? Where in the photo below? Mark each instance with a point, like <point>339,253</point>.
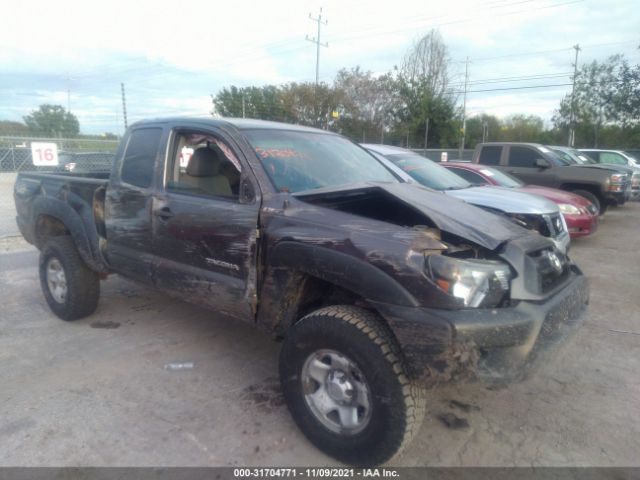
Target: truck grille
<point>552,268</point>
<point>548,225</point>
<point>555,225</point>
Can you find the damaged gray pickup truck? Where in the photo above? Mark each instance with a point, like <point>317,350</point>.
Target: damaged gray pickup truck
<point>378,289</point>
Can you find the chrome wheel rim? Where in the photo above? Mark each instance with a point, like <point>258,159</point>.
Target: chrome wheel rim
<point>336,392</point>
<point>56,280</point>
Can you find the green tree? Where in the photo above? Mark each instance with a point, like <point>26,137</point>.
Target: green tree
<point>595,101</point>
<point>477,125</point>
<point>8,127</point>
<point>369,106</point>
<point>428,109</point>
<point>52,121</point>
<point>310,104</point>
<point>521,128</point>
<point>251,102</point>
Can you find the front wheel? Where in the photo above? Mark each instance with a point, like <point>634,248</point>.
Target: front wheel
<point>346,385</point>
<point>70,288</point>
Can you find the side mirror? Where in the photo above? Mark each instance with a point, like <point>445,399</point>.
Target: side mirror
<point>542,163</point>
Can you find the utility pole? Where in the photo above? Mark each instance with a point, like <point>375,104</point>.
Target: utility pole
<point>316,40</point>
<point>426,136</point>
<point>572,120</point>
<point>243,105</point>
<point>464,107</point>
<point>485,131</point>
<point>124,106</point>
<point>68,93</point>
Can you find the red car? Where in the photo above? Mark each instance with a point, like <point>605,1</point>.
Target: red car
<point>580,214</point>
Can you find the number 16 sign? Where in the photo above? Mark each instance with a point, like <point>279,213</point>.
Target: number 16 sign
<point>44,154</point>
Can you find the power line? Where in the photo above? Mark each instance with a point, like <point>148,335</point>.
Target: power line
<point>514,79</point>
<point>514,88</point>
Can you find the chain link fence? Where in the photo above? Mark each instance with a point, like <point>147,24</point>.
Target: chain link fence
<point>73,155</point>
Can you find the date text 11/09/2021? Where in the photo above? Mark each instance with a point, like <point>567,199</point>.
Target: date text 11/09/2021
<point>315,472</point>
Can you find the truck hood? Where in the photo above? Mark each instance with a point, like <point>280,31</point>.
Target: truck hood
<point>605,166</point>
<point>505,200</point>
<point>555,195</point>
<point>447,213</point>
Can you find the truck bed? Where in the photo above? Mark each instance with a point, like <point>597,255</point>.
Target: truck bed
<point>67,196</point>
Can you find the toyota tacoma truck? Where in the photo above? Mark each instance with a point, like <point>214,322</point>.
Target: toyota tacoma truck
<point>536,164</point>
<point>376,288</point>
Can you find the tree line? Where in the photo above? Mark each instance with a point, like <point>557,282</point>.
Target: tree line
<point>416,105</point>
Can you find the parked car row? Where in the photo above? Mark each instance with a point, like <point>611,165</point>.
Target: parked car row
<point>532,212</point>
<point>382,274</point>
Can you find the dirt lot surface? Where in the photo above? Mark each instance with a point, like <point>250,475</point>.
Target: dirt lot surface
<point>96,392</point>
<point>7,209</point>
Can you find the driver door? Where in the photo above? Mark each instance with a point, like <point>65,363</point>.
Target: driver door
<point>204,230</point>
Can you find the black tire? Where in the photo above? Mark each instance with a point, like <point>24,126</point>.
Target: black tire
<point>592,198</point>
<point>82,284</point>
<point>397,403</point>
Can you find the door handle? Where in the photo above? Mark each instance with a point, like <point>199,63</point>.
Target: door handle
<point>163,213</point>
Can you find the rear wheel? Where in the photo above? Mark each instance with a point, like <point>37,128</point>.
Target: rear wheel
<point>593,199</point>
<point>70,288</point>
<point>346,385</point>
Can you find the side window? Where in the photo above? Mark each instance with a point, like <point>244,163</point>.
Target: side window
<point>202,164</point>
<point>140,156</point>
<point>523,157</point>
<point>490,155</point>
<point>469,176</point>
<point>611,157</point>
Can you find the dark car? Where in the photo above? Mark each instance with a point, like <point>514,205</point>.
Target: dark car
<point>376,288</point>
<point>536,164</point>
<point>604,159</point>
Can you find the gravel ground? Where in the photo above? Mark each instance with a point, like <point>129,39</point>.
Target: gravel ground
<point>95,392</point>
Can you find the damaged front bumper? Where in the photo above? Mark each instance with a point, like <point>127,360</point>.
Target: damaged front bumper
<point>493,345</point>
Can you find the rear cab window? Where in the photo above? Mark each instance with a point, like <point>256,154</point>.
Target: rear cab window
<point>490,155</point>
<point>140,156</point>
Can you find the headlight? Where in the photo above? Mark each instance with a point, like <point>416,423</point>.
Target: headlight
<point>476,283</point>
<point>618,178</point>
<point>568,209</point>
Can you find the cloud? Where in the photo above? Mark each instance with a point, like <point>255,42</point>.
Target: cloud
<point>172,56</point>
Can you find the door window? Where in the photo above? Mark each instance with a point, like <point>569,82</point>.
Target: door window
<point>469,176</point>
<point>140,157</point>
<point>202,164</point>
<point>523,157</point>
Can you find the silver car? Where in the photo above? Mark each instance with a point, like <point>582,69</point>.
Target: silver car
<point>530,211</point>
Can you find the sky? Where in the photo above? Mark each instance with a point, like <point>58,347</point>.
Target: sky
<point>171,56</point>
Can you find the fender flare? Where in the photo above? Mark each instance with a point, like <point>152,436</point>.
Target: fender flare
<point>343,270</point>
<point>77,216</point>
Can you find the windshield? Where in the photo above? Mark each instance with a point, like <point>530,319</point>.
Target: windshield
<point>503,179</point>
<point>428,173</point>
<point>567,156</point>
<point>298,161</point>
<point>613,158</point>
